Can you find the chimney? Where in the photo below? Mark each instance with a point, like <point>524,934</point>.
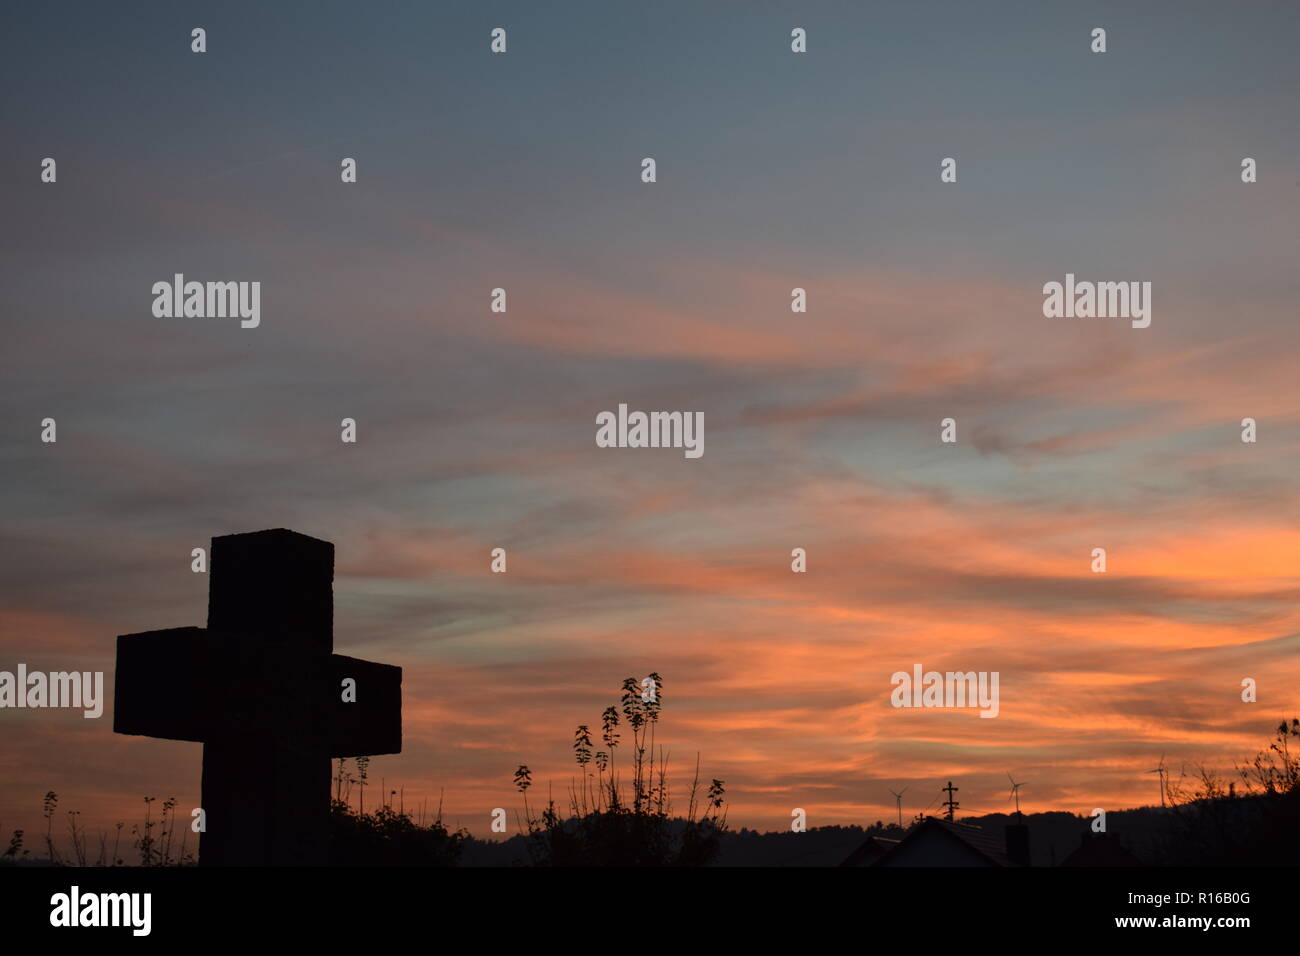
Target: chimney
<point>1017,835</point>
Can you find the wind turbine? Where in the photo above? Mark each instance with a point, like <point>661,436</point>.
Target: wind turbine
<point>898,799</point>
<point>1015,791</point>
<point>1161,770</point>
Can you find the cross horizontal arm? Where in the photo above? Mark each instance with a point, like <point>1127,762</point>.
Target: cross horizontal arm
<point>191,683</point>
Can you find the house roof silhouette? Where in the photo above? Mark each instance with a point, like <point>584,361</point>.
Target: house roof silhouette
<point>936,842</point>
<point>1101,849</point>
<point>871,850</point>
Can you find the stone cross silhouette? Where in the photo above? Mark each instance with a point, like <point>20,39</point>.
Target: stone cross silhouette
<point>264,693</point>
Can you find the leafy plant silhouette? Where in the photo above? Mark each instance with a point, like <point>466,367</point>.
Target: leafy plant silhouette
<point>614,820</point>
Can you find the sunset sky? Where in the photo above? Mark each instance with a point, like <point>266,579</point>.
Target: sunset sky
<point>476,430</point>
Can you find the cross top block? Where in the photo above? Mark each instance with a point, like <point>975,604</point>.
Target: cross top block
<point>277,585</point>
<point>264,665</point>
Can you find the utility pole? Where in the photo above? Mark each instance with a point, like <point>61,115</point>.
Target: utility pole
<point>950,803</point>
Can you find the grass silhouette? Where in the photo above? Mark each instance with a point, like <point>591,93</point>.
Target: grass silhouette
<point>623,816</point>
